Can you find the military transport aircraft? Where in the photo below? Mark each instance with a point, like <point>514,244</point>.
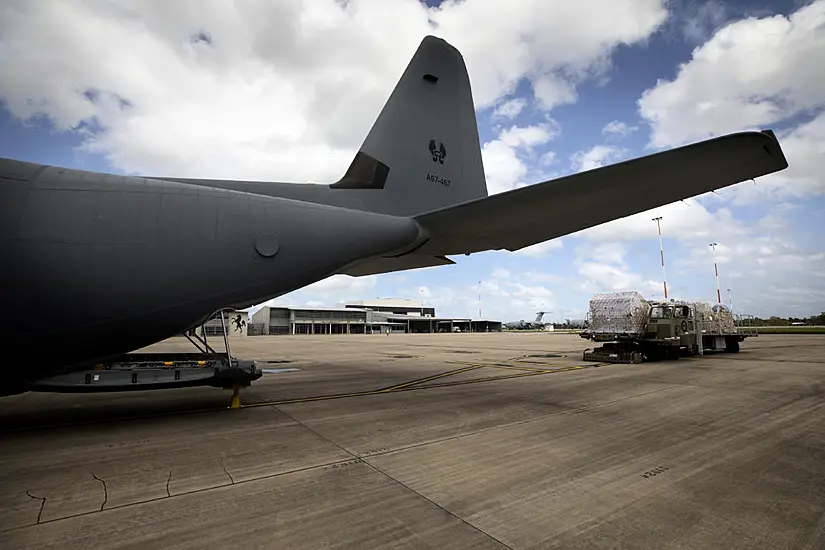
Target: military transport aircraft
<point>528,325</point>
<point>97,265</point>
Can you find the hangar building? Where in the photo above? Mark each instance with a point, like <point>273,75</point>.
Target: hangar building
<point>364,317</point>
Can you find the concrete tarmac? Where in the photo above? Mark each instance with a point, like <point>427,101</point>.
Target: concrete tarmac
<point>438,441</point>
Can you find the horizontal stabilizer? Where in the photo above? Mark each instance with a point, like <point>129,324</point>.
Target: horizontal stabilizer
<point>537,213</point>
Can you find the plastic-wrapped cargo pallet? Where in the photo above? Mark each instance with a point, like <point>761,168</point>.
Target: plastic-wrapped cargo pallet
<point>714,319</point>
<point>618,313</point>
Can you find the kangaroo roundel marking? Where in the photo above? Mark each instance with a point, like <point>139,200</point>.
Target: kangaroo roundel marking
<point>438,150</point>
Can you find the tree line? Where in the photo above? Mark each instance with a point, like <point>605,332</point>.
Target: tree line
<point>774,321</point>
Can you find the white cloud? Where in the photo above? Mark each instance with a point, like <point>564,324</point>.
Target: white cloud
<point>278,84</point>
<point>552,91</point>
<point>337,287</point>
<point>510,108</point>
<point>504,295</point>
<point>530,136</point>
<point>502,166</point>
<point>541,277</point>
<point>767,274</point>
<point>618,129</point>
<point>330,292</point>
<point>596,157</point>
<point>541,250</point>
<point>703,20</point>
<point>687,220</point>
<point>755,73</point>
<point>752,73</point>
<point>424,292</point>
<point>603,277</point>
<point>548,158</point>
<point>603,268</point>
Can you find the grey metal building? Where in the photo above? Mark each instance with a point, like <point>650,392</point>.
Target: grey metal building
<point>375,317</point>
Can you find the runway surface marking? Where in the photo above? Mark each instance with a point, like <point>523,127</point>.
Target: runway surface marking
<point>421,383</point>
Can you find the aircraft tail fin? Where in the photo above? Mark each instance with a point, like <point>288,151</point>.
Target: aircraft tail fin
<point>423,152</point>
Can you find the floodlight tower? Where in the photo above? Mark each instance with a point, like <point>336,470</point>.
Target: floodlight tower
<point>716,270</point>
<point>662,254</point>
<point>479,300</point>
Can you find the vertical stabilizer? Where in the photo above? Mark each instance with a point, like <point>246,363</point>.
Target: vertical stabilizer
<point>423,151</point>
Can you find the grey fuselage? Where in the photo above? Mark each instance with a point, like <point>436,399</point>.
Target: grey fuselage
<point>96,265</point>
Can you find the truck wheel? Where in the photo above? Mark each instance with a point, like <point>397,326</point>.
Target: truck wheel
<point>652,353</point>
<point>731,345</point>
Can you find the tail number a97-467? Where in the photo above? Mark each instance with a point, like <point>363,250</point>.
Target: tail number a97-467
<point>438,179</point>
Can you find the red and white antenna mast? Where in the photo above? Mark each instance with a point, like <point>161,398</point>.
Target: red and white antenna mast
<point>661,253</point>
<point>716,270</point>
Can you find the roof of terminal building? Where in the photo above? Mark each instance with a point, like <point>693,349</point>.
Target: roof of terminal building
<point>309,308</point>
<point>420,318</point>
<point>388,302</point>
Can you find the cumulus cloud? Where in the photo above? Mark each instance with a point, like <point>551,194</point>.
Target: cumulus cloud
<point>755,73</point>
<point>340,287</point>
<point>767,274</point>
<point>603,268</point>
<point>510,108</point>
<point>530,136</point>
<point>504,295</point>
<point>703,20</point>
<point>752,73</point>
<point>503,157</point>
<point>596,157</point>
<point>330,292</point>
<point>258,89</point>
<point>502,167</point>
<point>687,220</point>
<point>541,250</point>
<point>618,129</point>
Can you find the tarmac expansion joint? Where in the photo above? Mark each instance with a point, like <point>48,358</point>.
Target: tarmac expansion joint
<point>105,491</point>
<point>42,504</point>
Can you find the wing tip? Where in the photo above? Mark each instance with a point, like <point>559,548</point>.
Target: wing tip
<point>774,149</point>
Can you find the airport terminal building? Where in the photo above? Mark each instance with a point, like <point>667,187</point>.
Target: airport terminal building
<point>364,317</point>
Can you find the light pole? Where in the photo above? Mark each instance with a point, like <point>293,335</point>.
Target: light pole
<point>662,254</point>
<point>716,271</point>
<point>479,300</point>
<point>730,301</point>
<point>421,290</point>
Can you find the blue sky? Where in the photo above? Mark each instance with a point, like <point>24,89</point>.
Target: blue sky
<point>548,84</point>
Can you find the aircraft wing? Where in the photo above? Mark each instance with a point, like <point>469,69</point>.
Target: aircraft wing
<point>544,211</point>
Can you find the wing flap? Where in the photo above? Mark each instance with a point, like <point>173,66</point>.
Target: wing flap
<point>544,211</point>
